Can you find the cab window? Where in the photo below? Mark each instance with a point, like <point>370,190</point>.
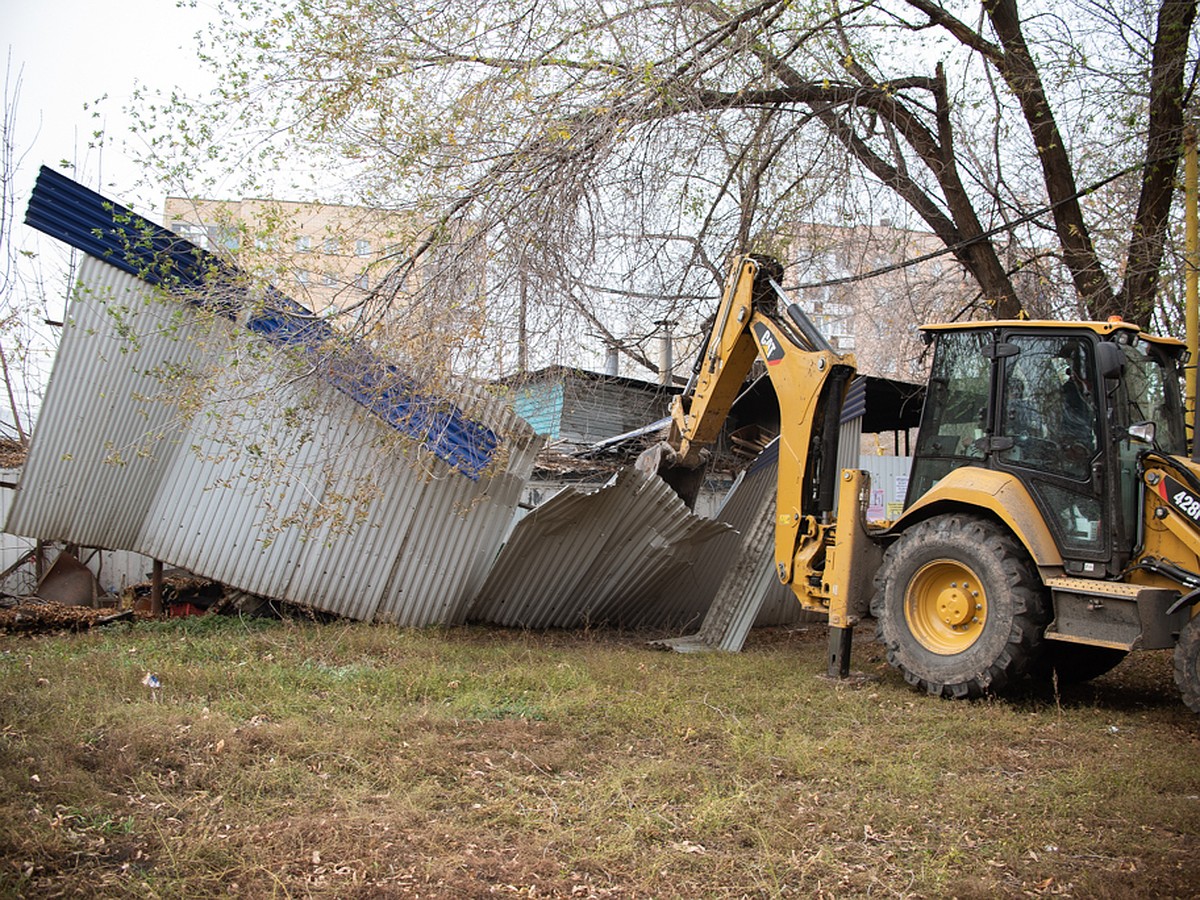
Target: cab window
<point>954,420</point>
<point>1049,405</point>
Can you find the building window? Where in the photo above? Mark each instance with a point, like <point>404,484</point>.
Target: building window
<point>332,245</point>
<point>303,243</point>
<point>302,276</point>
<point>197,234</point>
<point>229,238</point>
<point>328,280</point>
<point>364,281</point>
<point>362,247</point>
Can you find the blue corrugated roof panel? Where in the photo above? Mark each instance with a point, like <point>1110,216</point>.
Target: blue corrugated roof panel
<point>90,222</point>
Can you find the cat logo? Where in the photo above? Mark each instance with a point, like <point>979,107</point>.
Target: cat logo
<point>772,350</point>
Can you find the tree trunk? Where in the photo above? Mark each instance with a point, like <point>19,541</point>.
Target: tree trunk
<point>1020,73</point>
<point>1163,147</point>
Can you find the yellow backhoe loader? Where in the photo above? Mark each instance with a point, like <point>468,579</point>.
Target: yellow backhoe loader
<point>1052,520</point>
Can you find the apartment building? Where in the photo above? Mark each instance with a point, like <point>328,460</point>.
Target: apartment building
<point>324,256</point>
<point>876,318</point>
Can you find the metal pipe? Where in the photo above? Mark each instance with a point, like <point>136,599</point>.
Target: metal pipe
<point>666,359</point>
<point>612,360</point>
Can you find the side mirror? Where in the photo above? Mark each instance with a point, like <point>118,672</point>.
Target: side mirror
<point>1141,432</point>
<point>1111,359</point>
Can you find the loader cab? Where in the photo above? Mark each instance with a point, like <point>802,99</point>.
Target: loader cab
<point>1050,404</point>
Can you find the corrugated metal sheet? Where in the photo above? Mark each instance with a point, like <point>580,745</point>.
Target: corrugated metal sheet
<point>177,434</point>
<point>577,408</point>
<point>541,405</point>
<point>742,588</point>
<point>13,548</point>
<point>756,485</point>
<point>776,604</point>
<point>181,431</point>
<point>594,409</point>
<point>854,406</point>
<point>779,605</point>
<point>889,483</point>
<point>850,431</point>
<point>602,557</point>
<point>124,240</point>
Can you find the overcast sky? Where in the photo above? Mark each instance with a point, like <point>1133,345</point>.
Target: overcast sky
<point>69,53</point>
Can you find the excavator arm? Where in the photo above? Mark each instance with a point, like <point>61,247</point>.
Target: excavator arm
<point>755,321</point>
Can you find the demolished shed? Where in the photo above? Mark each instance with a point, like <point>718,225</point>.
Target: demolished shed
<point>202,420</point>
<point>243,439</point>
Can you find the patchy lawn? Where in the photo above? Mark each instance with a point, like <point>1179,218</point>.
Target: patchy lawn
<point>289,759</point>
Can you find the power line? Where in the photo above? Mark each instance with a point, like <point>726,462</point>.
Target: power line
<point>987,235</point>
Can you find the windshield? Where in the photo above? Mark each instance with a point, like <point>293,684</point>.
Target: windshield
<point>954,418</point>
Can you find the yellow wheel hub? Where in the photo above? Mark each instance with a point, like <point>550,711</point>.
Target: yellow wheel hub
<point>945,607</point>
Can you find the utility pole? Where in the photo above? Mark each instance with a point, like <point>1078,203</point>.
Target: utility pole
<point>666,357</point>
<point>1191,268</point>
<point>522,326</point>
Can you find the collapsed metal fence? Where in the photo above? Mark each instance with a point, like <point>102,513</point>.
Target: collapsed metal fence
<point>241,439</point>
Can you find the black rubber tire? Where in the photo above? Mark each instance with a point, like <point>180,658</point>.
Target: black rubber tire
<point>989,652</point>
<point>1075,663</point>
<point>1187,664</point>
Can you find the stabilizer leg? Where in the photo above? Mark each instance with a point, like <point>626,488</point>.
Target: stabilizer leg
<point>839,651</point>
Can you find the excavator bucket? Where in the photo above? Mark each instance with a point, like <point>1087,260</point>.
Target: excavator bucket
<point>685,477</point>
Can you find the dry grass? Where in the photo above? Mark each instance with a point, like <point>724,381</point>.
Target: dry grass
<point>298,760</point>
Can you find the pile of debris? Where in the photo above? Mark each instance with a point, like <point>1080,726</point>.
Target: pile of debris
<point>12,453</point>
<point>183,594</point>
<point>30,615</point>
